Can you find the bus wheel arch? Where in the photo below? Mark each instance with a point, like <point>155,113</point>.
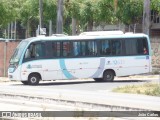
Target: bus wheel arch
<point>34,78</point>
<point>108,75</point>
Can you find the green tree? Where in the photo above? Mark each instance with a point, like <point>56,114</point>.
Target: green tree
<point>155,5</point>
<point>29,15</point>
<point>8,12</point>
<point>105,12</point>
<point>72,14</point>
<point>130,11</point>
<point>50,12</point>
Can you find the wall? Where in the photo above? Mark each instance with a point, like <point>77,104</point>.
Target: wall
<point>155,45</point>
<point>9,47</point>
<point>156,54</point>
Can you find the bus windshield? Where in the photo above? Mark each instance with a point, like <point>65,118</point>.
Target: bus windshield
<point>18,52</point>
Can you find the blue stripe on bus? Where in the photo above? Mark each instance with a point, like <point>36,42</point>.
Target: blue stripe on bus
<point>68,75</point>
<point>64,69</point>
<point>140,57</point>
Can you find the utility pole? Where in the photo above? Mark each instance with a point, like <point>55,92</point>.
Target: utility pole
<point>59,27</point>
<point>146,16</point>
<point>40,14</point>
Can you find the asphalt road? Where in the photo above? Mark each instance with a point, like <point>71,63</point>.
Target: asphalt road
<point>78,90</point>
<point>82,85</point>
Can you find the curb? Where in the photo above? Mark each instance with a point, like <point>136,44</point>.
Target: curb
<point>109,100</point>
<point>72,103</point>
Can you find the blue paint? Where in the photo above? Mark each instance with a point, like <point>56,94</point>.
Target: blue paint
<point>64,69</point>
<point>147,57</point>
<point>140,57</point>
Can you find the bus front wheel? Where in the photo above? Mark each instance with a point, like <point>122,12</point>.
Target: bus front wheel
<point>33,79</point>
<point>108,76</point>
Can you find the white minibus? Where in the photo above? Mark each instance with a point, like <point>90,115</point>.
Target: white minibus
<point>101,57</point>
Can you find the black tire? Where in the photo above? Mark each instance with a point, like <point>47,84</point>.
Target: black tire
<point>33,79</point>
<point>98,79</point>
<point>25,82</point>
<point>108,76</point>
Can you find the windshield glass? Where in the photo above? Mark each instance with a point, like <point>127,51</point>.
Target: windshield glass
<point>18,52</point>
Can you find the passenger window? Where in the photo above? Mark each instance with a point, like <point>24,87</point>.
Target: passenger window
<point>66,49</point>
<point>85,48</point>
<point>105,47</point>
<point>136,46</point>
<point>142,47</point>
<point>92,48</point>
<point>131,47</point>
<point>56,49</point>
<point>79,48</point>
<point>116,47</point>
<point>111,47</point>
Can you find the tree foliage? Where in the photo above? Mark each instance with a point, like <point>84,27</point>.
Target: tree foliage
<point>86,12</point>
<point>130,11</point>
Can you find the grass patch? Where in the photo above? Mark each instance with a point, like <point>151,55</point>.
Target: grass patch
<point>146,89</point>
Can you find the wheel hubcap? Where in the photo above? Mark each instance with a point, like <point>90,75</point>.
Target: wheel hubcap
<point>108,76</point>
<point>33,79</point>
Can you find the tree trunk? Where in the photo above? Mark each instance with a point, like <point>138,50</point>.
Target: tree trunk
<point>74,26</point>
<point>59,17</point>
<point>90,26</point>
<point>27,30</point>
<point>146,17</point>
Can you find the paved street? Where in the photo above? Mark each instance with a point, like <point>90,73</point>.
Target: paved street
<point>76,95</point>
<point>82,85</point>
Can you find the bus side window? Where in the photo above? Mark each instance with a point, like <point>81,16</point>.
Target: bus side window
<point>39,50</point>
<point>76,48</point>
<point>105,47</point>
<point>92,48</point>
<point>116,47</point>
<point>36,50</point>
<point>142,46</point>
<point>145,47</point>
<point>66,49</point>
<point>56,49</point>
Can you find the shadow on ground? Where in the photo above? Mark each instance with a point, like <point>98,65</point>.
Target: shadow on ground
<point>59,83</point>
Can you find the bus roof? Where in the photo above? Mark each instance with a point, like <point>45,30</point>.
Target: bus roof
<point>102,33</point>
<point>86,37</point>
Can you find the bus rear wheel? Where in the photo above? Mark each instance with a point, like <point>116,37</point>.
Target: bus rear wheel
<point>108,76</point>
<point>33,79</point>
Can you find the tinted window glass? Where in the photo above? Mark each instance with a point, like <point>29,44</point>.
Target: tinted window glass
<point>131,47</point>
<point>92,48</point>
<point>84,48</point>
<point>136,46</point>
<point>111,47</point>
<point>66,49</point>
<point>116,47</point>
<point>56,49</point>
<point>142,46</point>
<point>36,51</point>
